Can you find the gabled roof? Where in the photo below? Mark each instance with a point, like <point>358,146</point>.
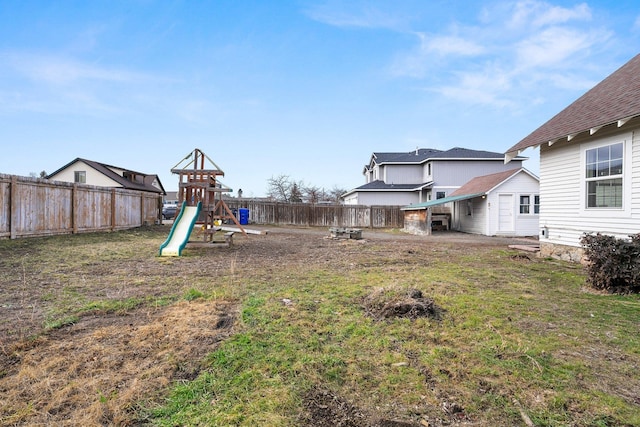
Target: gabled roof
<point>107,171</point>
<point>486,183</point>
<point>616,99</point>
<point>477,187</point>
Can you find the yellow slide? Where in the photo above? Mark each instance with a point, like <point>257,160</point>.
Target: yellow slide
<point>181,230</point>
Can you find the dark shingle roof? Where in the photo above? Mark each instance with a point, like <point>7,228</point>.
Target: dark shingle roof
<point>106,170</point>
<point>424,154</point>
<point>615,98</point>
<point>382,186</point>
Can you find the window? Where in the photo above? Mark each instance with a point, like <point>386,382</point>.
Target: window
<point>440,195</point>
<point>80,177</point>
<point>469,208</point>
<point>604,176</point>
<point>524,204</point>
<point>428,169</point>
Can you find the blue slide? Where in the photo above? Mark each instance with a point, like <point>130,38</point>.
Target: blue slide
<point>181,230</point>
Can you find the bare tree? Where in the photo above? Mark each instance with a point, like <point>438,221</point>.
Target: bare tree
<point>336,193</point>
<point>283,189</point>
<point>279,188</point>
<point>312,194</point>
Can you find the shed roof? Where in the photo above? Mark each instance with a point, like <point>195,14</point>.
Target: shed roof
<point>616,99</point>
<point>431,203</point>
<point>486,183</point>
<point>477,187</point>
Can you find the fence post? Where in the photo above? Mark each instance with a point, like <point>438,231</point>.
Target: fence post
<point>113,209</point>
<point>370,216</point>
<point>13,207</point>
<point>74,209</point>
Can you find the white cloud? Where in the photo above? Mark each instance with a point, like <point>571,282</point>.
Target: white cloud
<point>555,46</point>
<point>536,14</point>
<point>490,87</point>
<point>531,39</point>
<point>357,14</point>
<point>59,70</point>
<point>433,49</point>
<point>449,45</point>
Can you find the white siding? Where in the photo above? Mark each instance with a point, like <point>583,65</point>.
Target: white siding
<point>476,223</point>
<point>562,212</point>
<point>522,184</point>
<point>485,212</point>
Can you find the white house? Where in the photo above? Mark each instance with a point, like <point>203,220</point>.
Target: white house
<point>423,174</point>
<point>590,165</point>
<point>83,171</point>
<point>504,203</point>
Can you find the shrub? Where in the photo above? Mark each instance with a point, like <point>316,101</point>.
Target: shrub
<point>613,264</point>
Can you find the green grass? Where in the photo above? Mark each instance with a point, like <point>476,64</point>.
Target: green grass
<point>514,334</point>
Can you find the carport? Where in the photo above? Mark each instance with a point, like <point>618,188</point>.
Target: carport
<point>420,218</point>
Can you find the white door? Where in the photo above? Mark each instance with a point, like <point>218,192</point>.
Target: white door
<point>505,213</point>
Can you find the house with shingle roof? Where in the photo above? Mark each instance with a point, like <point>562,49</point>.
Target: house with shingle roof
<point>505,203</point>
<point>422,175</point>
<point>590,165</point>
<point>83,171</point>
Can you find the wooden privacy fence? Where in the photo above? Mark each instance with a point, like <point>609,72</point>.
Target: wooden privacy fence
<point>38,207</point>
<point>321,215</point>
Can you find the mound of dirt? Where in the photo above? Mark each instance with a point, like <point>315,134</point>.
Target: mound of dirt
<point>387,303</point>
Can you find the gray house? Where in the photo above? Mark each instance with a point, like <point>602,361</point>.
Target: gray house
<point>423,175</point>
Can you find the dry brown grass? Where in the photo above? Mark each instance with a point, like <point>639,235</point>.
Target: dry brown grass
<point>95,372</point>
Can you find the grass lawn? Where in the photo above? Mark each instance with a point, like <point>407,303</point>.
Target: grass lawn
<point>279,330</point>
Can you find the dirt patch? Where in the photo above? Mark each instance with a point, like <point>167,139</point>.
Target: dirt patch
<point>393,302</point>
<point>325,409</point>
<point>94,372</point>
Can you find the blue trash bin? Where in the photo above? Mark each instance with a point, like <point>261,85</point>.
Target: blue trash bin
<point>244,216</point>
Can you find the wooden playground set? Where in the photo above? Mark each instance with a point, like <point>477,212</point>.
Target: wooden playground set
<point>201,202</point>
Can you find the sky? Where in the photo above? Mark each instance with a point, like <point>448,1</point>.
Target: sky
<point>305,89</point>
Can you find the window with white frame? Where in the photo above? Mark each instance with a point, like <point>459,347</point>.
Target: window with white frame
<point>604,177</point>
<point>80,177</point>
<point>524,204</point>
<point>440,194</point>
<point>526,207</point>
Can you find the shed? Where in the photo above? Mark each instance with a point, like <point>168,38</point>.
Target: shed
<point>504,203</point>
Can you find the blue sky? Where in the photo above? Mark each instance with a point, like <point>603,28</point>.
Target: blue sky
<point>307,89</point>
